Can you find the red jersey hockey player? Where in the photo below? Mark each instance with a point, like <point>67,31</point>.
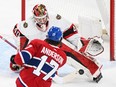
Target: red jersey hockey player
<point>37,26</point>
<point>41,60</point>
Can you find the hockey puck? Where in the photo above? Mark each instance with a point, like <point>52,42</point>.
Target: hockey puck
<point>81,71</point>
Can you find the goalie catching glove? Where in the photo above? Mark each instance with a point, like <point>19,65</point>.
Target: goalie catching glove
<point>93,47</point>
<point>13,65</point>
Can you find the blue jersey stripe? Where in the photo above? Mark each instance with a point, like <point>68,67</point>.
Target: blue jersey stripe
<point>26,56</point>
<point>46,67</point>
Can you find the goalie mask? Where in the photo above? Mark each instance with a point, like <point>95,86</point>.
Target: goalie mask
<point>41,18</point>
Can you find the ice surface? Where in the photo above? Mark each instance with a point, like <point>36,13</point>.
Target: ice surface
<point>7,77</point>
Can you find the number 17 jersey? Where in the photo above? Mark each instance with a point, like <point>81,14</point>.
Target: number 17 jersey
<point>41,62</point>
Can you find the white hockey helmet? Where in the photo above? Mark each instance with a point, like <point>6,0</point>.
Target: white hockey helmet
<point>40,14</point>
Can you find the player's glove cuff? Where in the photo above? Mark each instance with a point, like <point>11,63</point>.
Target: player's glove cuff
<point>12,59</point>
<point>15,67</point>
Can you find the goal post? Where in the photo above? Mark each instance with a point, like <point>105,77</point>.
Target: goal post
<point>23,7</point>
<point>108,14</point>
<point>99,11</point>
<point>112,30</point>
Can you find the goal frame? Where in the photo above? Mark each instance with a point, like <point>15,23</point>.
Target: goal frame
<point>112,30</point>
<point>112,25</point>
<point>23,9</point>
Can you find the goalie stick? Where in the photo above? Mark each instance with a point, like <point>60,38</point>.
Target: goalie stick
<point>8,42</point>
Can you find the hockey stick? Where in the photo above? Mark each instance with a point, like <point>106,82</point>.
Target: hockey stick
<point>5,40</point>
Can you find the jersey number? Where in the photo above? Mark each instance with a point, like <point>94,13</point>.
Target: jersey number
<point>41,64</point>
<point>16,32</point>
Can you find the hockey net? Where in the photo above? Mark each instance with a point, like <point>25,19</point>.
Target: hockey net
<point>94,18</point>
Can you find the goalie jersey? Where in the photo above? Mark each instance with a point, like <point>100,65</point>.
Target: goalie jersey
<point>27,30</point>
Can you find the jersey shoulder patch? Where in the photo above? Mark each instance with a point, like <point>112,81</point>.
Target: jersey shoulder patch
<point>58,17</point>
<point>25,24</point>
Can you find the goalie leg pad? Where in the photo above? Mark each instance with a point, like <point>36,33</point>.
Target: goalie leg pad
<point>85,61</point>
<point>79,60</point>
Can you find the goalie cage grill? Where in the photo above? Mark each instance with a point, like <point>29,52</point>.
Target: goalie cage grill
<point>112,25</point>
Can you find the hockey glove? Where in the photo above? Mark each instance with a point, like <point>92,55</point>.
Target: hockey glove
<point>13,65</point>
<point>12,59</point>
<point>94,47</point>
